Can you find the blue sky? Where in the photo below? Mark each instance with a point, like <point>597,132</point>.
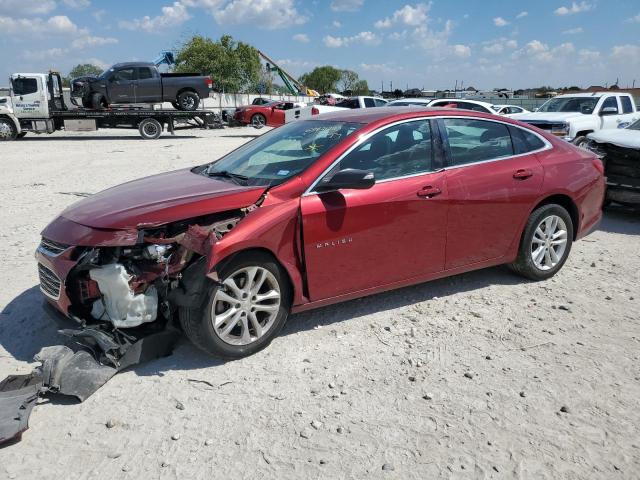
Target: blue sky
<point>431,44</point>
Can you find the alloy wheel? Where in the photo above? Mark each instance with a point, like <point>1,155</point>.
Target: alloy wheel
<point>6,130</point>
<point>246,305</point>
<point>188,102</point>
<point>549,242</point>
<point>150,129</point>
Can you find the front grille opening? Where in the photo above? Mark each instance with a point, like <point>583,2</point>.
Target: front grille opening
<point>51,247</point>
<point>50,284</point>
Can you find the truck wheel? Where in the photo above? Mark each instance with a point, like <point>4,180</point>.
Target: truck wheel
<point>188,101</point>
<point>580,142</point>
<point>258,120</point>
<point>150,129</point>
<point>244,312</point>
<point>7,130</point>
<point>98,102</point>
<point>175,105</point>
<point>87,102</point>
<point>22,135</point>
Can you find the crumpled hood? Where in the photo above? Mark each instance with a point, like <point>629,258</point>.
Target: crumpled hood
<point>555,117</point>
<point>622,137</point>
<point>160,199</point>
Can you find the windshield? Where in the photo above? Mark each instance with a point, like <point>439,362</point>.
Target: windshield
<point>570,104</point>
<point>634,126</point>
<point>280,154</point>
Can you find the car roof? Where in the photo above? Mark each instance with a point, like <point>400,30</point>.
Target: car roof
<point>133,64</point>
<point>589,94</point>
<point>371,115</point>
<point>412,99</point>
<point>454,100</point>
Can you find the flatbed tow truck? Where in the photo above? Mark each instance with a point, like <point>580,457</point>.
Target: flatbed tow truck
<point>36,105</point>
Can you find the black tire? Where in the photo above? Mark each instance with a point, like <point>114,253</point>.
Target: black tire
<point>524,264</point>
<point>98,102</point>
<point>175,105</point>
<point>87,102</point>
<point>188,101</point>
<point>258,120</point>
<point>8,130</point>
<point>150,129</point>
<point>580,141</point>
<point>21,135</point>
<point>197,323</point>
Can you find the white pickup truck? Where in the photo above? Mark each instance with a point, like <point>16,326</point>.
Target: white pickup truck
<point>574,116</point>
<point>352,102</point>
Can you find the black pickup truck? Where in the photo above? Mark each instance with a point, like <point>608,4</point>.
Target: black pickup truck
<point>141,82</point>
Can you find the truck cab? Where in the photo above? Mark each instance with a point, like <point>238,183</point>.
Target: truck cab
<point>574,116</point>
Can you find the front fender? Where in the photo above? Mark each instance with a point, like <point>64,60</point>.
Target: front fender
<point>577,126</point>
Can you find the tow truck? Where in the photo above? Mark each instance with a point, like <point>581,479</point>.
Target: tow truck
<point>36,105</point>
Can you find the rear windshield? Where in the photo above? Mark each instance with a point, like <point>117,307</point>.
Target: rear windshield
<point>281,153</point>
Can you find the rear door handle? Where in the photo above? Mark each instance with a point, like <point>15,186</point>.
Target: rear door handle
<point>523,174</point>
<point>429,191</point>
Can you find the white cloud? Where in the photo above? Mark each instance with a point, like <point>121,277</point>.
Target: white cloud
<point>522,14</point>
<point>499,45</point>
<point>336,24</point>
<point>99,14</point>
<point>77,4</point>
<point>268,14</point>
<point>500,22</point>
<point>573,31</point>
<point>574,8</point>
<point>540,52</point>
<point>432,41</point>
<point>346,5</point>
<point>635,19</point>
<point>40,55</point>
<point>386,68</point>
<point>363,38</point>
<point>57,25</point>
<point>172,16</point>
<point>91,41</point>
<point>26,7</point>
<point>462,51</point>
<point>588,56</point>
<point>412,16</point>
<point>626,53</point>
<point>301,37</point>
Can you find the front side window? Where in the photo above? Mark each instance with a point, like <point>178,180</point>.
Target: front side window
<point>144,73</point>
<point>610,102</point>
<point>124,75</point>
<point>473,140</point>
<point>280,154</point>
<point>397,151</point>
<point>369,103</point>
<point>379,102</point>
<point>24,86</point>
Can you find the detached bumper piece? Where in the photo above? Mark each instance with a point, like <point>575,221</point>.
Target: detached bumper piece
<point>80,373</point>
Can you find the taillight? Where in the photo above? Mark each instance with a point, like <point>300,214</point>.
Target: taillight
<point>209,82</point>
<point>599,165</point>
<point>315,111</point>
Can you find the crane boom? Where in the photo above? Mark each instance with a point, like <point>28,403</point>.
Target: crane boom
<point>294,86</point>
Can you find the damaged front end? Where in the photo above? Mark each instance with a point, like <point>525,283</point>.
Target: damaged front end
<point>123,299</point>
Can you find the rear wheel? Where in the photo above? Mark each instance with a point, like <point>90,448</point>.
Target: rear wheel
<point>175,105</point>
<point>245,312</point>
<point>8,130</point>
<point>545,244</point>
<point>150,129</point>
<point>188,101</point>
<point>258,120</point>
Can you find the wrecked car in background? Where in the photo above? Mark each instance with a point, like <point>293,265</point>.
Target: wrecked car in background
<point>272,113</point>
<point>619,150</point>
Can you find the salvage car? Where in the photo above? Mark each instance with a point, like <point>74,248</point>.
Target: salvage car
<point>463,104</point>
<point>619,150</point>
<point>316,212</point>
<point>141,82</point>
<point>508,110</point>
<point>272,114</point>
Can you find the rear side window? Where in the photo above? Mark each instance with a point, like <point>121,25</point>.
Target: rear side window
<point>473,140</point>
<point>627,107</point>
<point>144,73</point>
<point>24,86</point>
<point>524,141</point>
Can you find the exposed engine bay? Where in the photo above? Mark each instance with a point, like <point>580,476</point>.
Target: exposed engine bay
<point>124,300</point>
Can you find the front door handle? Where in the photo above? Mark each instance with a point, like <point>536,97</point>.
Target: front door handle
<point>523,174</point>
<point>429,191</point>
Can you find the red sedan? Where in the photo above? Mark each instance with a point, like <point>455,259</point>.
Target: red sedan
<point>316,212</point>
<point>272,114</point>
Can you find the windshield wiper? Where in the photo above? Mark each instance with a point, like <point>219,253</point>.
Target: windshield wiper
<point>226,174</point>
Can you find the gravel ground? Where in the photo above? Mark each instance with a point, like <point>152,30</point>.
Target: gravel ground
<point>481,375</point>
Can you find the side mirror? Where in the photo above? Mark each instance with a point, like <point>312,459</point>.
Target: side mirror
<point>349,178</point>
<point>608,111</point>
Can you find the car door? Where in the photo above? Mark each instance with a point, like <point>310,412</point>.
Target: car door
<point>121,85</point>
<point>491,187</point>
<point>609,119</point>
<point>276,115</point>
<point>28,97</point>
<point>359,239</point>
<point>147,87</point>
<point>628,116</point>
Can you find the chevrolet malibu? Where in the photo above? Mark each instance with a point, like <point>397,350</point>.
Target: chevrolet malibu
<point>316,212</point>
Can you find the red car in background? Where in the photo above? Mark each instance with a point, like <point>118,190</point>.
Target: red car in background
<point>317,212</point>
<point>271,114</point>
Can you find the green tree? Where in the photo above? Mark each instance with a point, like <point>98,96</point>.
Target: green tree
<point>81,70</point>
<point>361,87</point>
<point>348,78</point>
<point>324,79</point>
<point>233,66</point>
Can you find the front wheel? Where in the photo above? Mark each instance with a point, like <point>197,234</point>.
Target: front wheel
<point>8,130</point>
<point>258,120</point>
<point>581,142</point>
<point>188,101</point>
<point>243,313</point>
<point>545,244</point>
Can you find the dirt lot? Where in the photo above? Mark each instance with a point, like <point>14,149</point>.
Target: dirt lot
<point>482,375</point>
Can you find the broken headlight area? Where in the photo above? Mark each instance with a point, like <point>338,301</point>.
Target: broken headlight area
<point>124,299</point>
